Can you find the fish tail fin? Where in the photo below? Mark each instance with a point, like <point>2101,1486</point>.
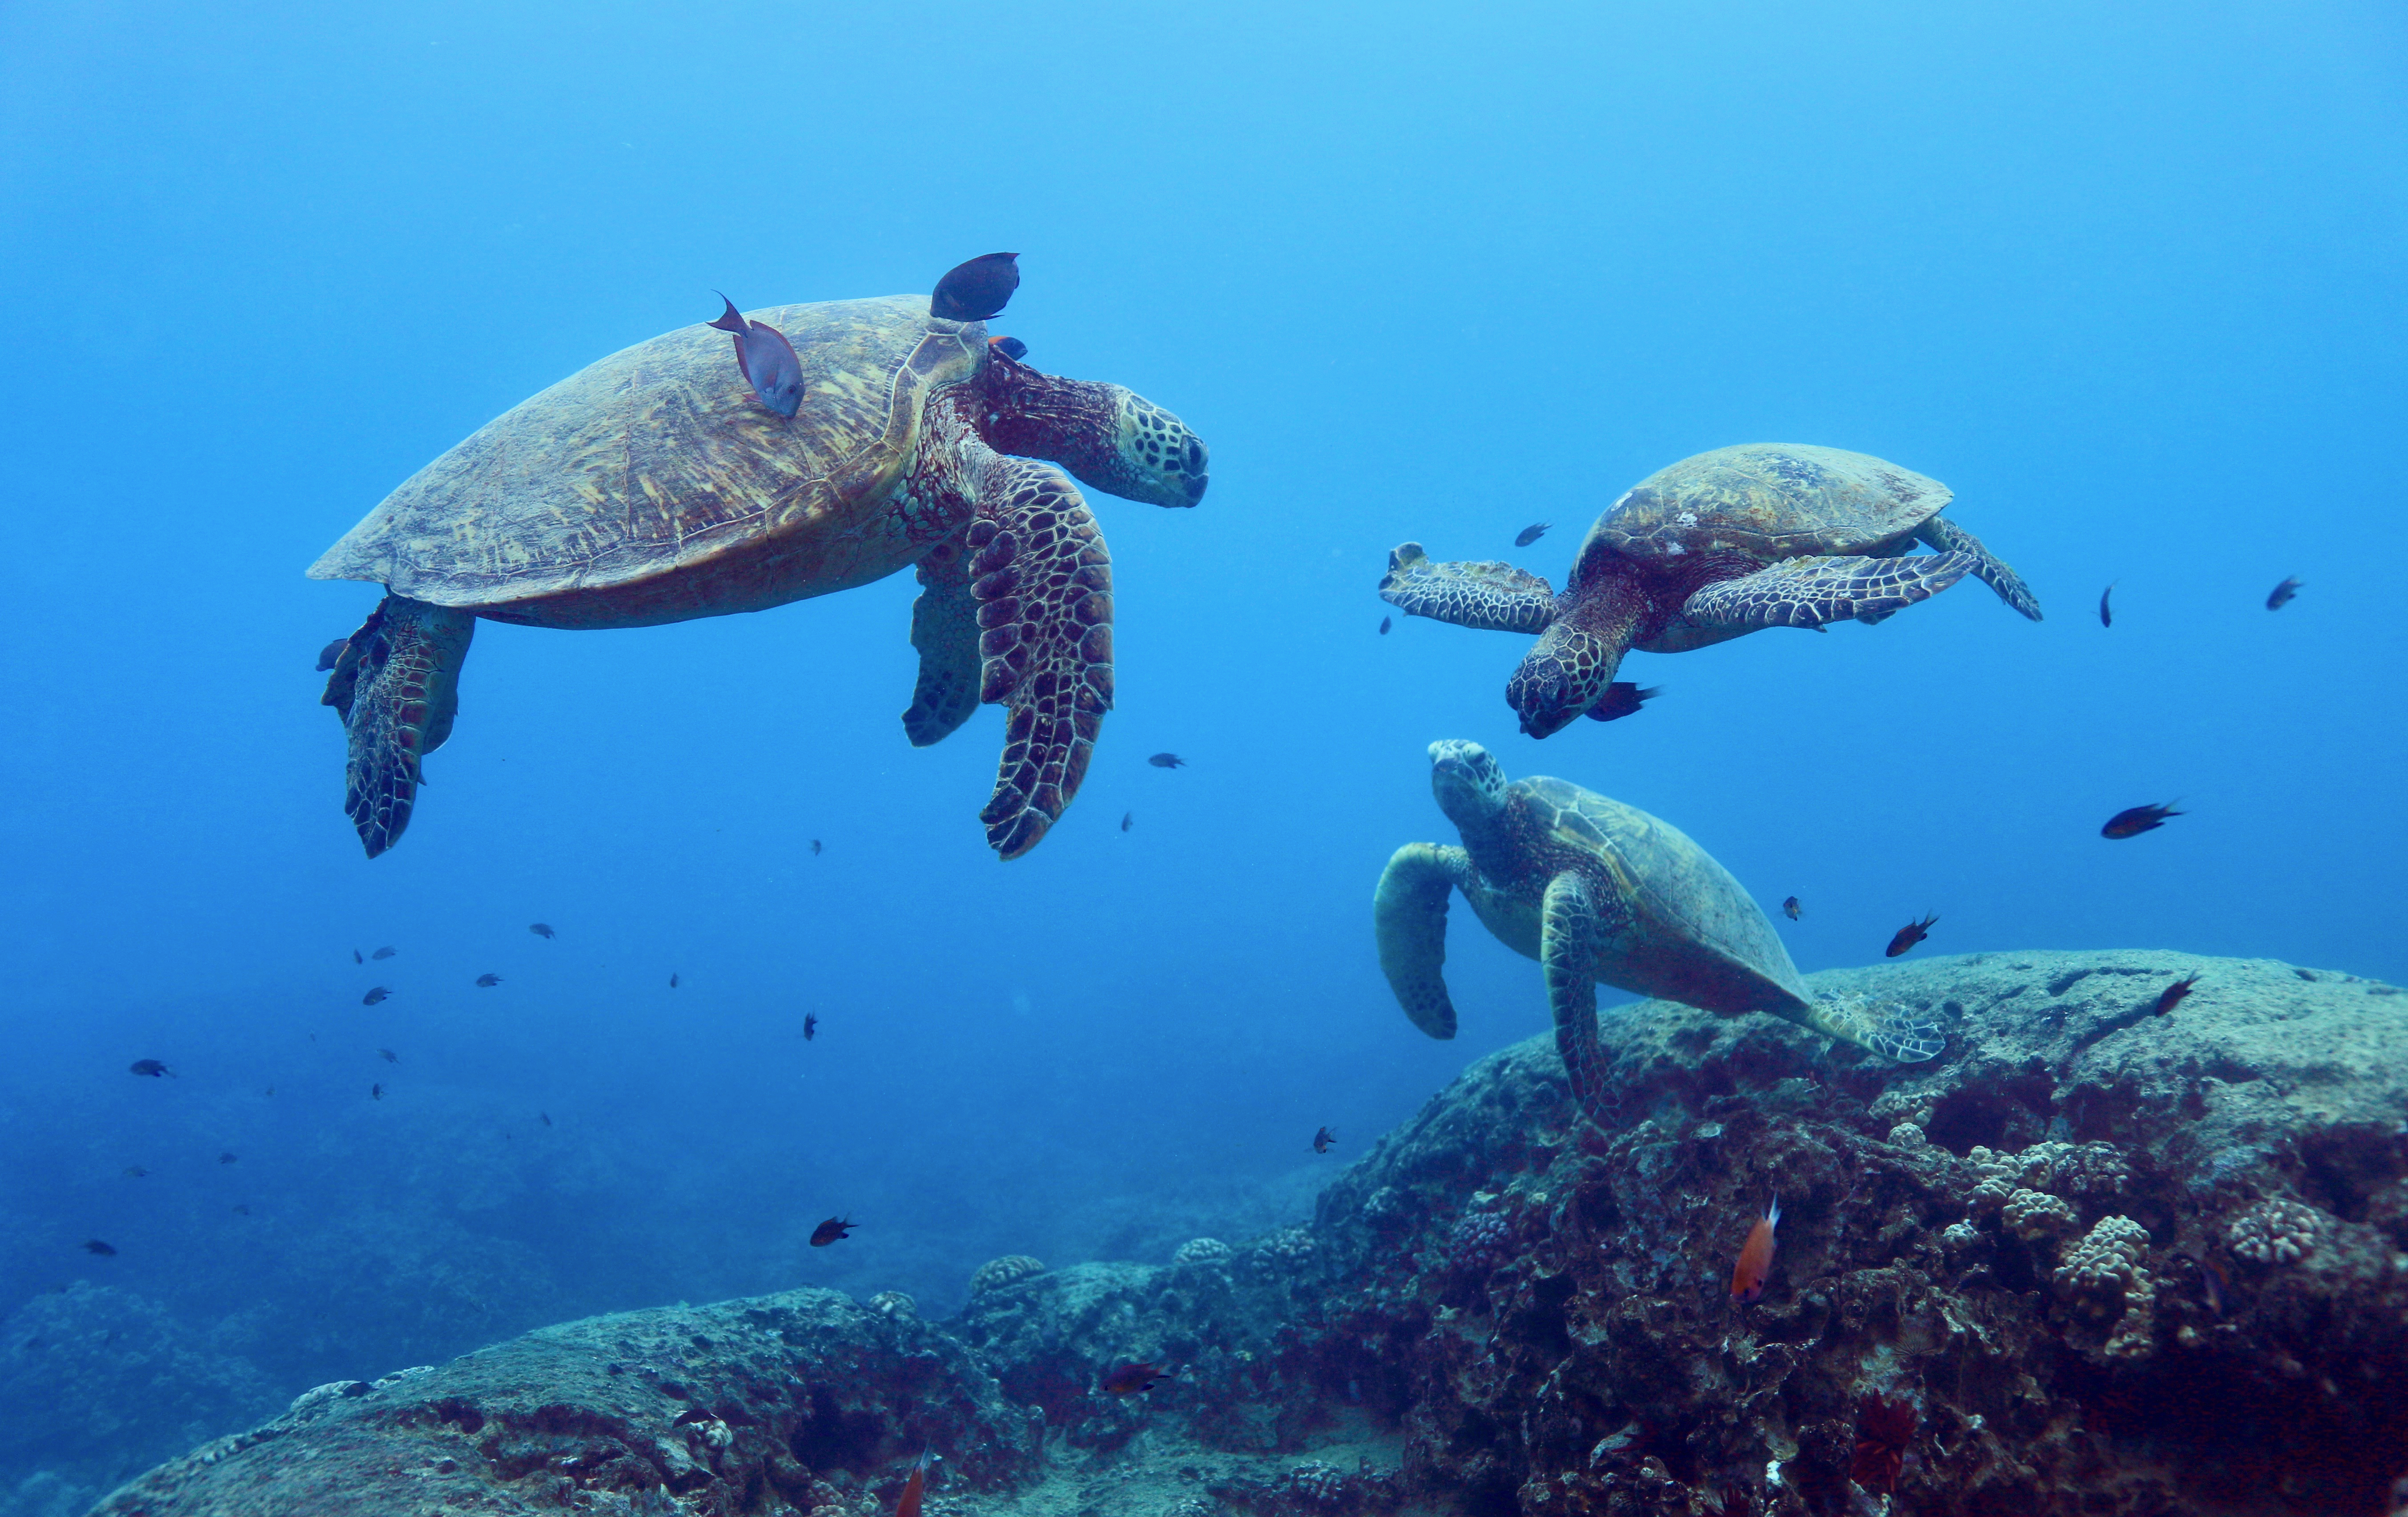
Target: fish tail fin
<point>731,320</point>
<point>1772,1214</point>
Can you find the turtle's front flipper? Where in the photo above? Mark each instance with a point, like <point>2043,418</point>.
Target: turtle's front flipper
<point>1043,582</point>
<point>1945,537</point>
<point>945,630</point>
<point>1810,592</point>
<point>1409,916</point>
<point>1568,943</point>
<point>1893,1030</point>
<point>1491,596</point>
<point>396,686</point>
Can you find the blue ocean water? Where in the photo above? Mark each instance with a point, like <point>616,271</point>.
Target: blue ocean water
<point>2129,280</point>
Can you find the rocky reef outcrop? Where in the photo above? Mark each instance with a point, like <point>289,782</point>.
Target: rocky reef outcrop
<point>2093,1259</point>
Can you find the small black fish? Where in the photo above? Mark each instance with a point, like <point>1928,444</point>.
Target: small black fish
<point>489,981</point>
<point>389,1055</point>
<point>148,1067</point>
<point>376,1093</point>
<point>1385,622</point>
<point>384,954</point>
<point>2106,617</point>
<point>2172,994</point>
<point>764,358</point>
<point>830,1231</point>
<point>811,1025</point>
<point>2282,593</point>
<point>93,1245</point>
<point>373,996</point>
<point>134,1171</point>
<point>1791,909</point>
<point>673,980</point>
<point>332,653</point>
<point>1622,699</point>
<point>1128,818</point>
<point>227,1158</point>
<point>546,1116</point>
<point>1531,533</point>
<point>1908,935</point>
<point>1323,1137</point>
<point>977,290</point>
<point>2135,820</point>
<point>1011,348</point>
<point>541,929</point>
<point>240,1209</point>
<point>356,957</point>
<point>815,848</point>
<point>1165,761</point>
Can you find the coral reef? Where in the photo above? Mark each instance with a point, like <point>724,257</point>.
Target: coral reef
<point>996,1273</point>
<point>2090,1259</point>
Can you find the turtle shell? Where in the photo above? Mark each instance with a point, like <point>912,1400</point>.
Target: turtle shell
<point>1771,500</point>
<point>654,486</point>
<point>1696,936</point>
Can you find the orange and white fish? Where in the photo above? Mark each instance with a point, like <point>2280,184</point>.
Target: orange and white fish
<point>1755,1257</point>
<point>909,1505</point>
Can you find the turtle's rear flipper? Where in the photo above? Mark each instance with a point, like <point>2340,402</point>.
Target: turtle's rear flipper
<point>1044,591</point>
<point>1810,592</point>
<point>1895,1031</point>
<point>1491,596</point>
<point>1945,537</point>
<point>396,686</point>
<point>945,630</point>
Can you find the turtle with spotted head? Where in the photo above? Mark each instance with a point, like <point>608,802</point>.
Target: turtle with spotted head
<point>1766,535</point>
<point>1599,894</point>
<point>657,486</point>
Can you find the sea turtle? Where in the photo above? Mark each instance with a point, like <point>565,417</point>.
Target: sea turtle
<point>656,486</point>
<point>1767,535</point>
<point>1598,892</point>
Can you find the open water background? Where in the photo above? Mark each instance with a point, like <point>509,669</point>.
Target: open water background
<point>2128,279</point>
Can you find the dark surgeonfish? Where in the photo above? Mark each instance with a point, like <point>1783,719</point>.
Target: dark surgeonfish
<point>815,848</point>
<point>356,957</point>
<point>148,1067</point>
<point>376,1093</point>
<point>489,981</point>
<point>673,980</point>
<point>2106,617</point>
<point>1385,622</point>
<point>332,653</point>
<point>1622,699</point>
<point>2172,994</point>
<point>1011,348</point>
<point>384,953</point>
<point>374,995</point>
<point>977,290</point>
<point>1531,533</point>
<point>829,1231</point>
<point>389,1055</point>
<point>1323,1137</point>
<point>811,1025</point>
<point>546,1116</point>
<point>1908,935</point>
<point>541,929</point>
<point>134,1171</point>
<point>2282,593</point>
<point>1165,761</point>
<point>2135,820</point>
<point>1791,909</point>
<point>227,1158</point>
<point>765,358</point>
<point>93,1245</point>
<point>1128,818</point>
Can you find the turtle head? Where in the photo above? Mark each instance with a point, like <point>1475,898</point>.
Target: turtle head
<point>1570,667</point>
<point>1108,436</point>
<point>1470,785</point>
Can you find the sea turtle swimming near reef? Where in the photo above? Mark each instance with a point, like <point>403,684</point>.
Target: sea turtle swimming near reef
<point>1598,892</point>
<point>656,486</point>
<point>1767,535</point>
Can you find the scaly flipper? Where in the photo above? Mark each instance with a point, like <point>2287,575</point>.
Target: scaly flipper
<point>1945,537</point>
<point>1491,596</point>
<point>1568,943</point>
<point>1810,592</point>
<point>945,630</point>
<point>1408,915</point>
<point>396,687</point>
<point>1890,1029</point>
<point>1044,592</point>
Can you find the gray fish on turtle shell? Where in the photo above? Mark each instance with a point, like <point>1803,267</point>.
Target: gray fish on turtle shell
<point>1598,892</point>
<point>764,358</point>
<point>652,487</point>
<point>1767,535</point>
<point>977,290</point>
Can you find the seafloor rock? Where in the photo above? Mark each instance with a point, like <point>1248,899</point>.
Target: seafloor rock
<point>2090,1259</point>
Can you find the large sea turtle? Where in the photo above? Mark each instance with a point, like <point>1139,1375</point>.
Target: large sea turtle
<point>1767,535</point>
<point>1598,892</point>
<point>657,486</point>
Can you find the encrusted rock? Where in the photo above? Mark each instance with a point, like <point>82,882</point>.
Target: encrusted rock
<point>1003,1271</point>
<point>2275,1232</point>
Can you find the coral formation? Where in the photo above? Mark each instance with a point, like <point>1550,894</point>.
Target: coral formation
<point>1202,1251</point>
<point>996,1273</point>
<point>2087,1261</point>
